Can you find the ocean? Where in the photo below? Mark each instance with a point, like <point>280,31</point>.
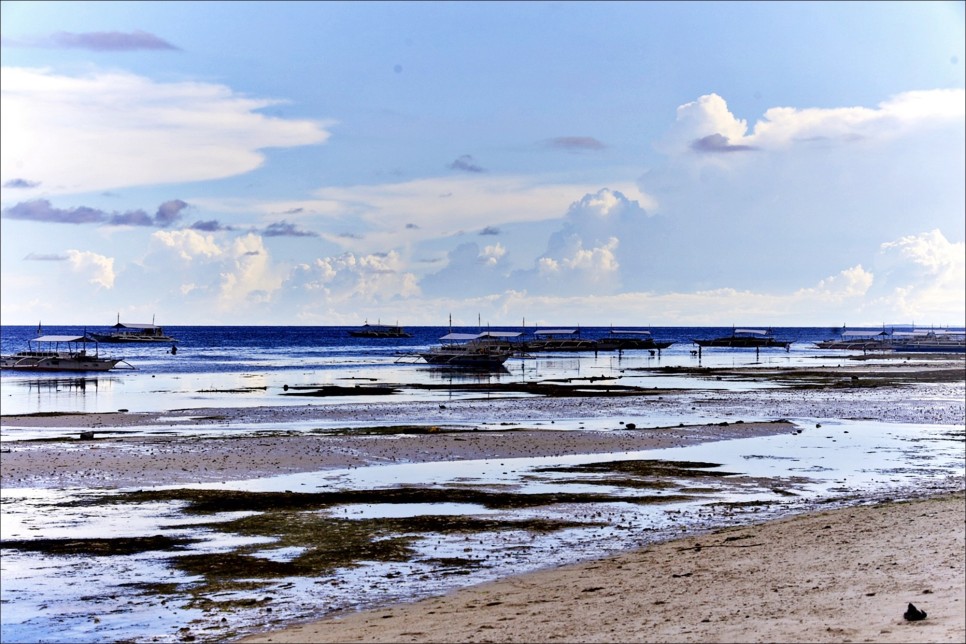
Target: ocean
<point>261,360</point>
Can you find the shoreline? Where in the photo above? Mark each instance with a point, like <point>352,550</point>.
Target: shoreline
<point>825,576</point>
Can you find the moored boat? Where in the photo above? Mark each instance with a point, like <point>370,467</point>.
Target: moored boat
<point>475,350</point>
<point>380,331</point>
<point>559,340</point>
<point>131,333</point>
<point>745,339</point>
<point>630,340</point>
<point>858,340</point>
<point>909,341</point>
<point>61,353</point>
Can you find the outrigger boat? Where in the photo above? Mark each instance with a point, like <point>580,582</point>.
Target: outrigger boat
<point>914,341</point>
<point>487,350</point>
<point>61,353</point>
<point>630,340</point>
<point>745,339</point>
<point>131,333</point>
<point>559,340</point>
<point>380,331</point>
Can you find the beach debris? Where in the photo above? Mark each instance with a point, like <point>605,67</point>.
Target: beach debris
<point>913,614</point>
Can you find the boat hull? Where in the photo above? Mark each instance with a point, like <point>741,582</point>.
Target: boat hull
<point>132,339</point>
<point>465,360</point>
<point>743,343</point>
<point>57,363</point>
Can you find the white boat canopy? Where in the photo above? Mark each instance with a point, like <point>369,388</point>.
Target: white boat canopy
<point>758,331</point>
<point>631,332</point>
<point>555,332</point>
<point>62,338</point>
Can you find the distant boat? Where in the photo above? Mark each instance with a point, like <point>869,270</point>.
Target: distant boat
<point>60,353</point>
<point>931,341</point>
<point>912,341</point>
<point>745,339</point>
<point>380,331</point>
<point>474,350</point>
<point>861,340</point>
<point>559,340</point>
<point>630,340</point>
<point>130,333</point>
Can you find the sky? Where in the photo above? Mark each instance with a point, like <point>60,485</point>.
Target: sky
<point>539,163</point>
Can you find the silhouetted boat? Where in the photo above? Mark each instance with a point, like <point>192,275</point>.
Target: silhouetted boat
<point>745,339</point>
<point>131,333</point>
<point>630,340</point>
<point>380,331</point>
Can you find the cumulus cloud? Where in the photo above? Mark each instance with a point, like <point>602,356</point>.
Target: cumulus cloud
<point>188,244</point>
<point>349,277</point>
<point>707,125</point>
<point>109,129</point>
<point>923,275</point>
<point>96,269</point>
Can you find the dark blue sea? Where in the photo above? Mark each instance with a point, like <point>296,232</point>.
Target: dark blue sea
<point>280,348</point>
<point>250,365</point>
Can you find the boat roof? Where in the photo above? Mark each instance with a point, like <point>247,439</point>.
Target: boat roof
<point>500,334</point>
<point>758,331</point>
<point>125,325</point>
<point>460,336</point>
<point>61,338</point>
<point>864,333</point>
<point>485,334</point>
<point>631,332</point>
<point>554,331</point>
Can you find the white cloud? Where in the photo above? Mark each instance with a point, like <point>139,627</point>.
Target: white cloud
<point>492,254</point>
<point>926,277</point>
<point>781,127</point>
<point>188,244</point>
<point>250,277</point>
<point>109,130</point>
<point>96,269</point>
<point>368,278</point>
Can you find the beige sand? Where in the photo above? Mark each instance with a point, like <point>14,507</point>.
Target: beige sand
<point>839,576</point>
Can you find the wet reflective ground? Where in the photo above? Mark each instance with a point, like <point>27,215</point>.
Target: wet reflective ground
<point>211,562</point>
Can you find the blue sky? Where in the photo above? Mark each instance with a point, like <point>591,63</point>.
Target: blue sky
<point>629,163</point>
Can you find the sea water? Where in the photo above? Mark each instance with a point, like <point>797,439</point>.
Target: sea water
<point>251,365</point>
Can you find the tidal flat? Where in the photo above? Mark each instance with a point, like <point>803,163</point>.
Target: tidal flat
<point>207,524</point>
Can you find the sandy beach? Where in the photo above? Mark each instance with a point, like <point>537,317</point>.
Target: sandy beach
<point>841,576</point>
<point>826,576</point>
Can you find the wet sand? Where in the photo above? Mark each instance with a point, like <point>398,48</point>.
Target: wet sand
<point>840,576</point>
